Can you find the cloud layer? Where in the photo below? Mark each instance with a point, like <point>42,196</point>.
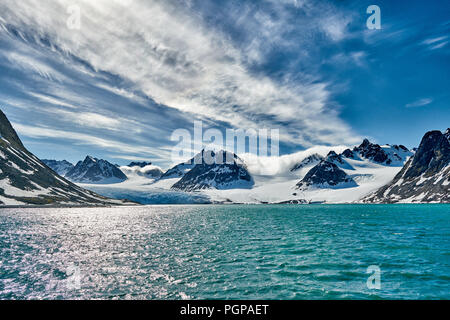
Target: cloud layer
<point>174,57</point>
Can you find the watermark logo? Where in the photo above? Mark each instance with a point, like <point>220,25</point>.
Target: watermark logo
<point>374,280</point>
<point>374,21</point>
<point>73,281</point>
<point>261,142</point>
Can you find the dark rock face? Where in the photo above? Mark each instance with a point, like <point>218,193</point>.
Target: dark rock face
<point>93,170</point>
<point>372,152</point>
<point>140,164</point>
<point>326,174</point>
<point>307,162</point>
<point>432,156</point>
<point>348,154</point>
<point>24,179</point>
<point>334,157</point>
<point>60,167</point>
<point>154,173</point>
<point>424,178</point>
<point>222,170</point>
<point>447,134</point>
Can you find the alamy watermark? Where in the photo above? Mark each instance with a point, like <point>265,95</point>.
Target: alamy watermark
<point>374,280</point>
<point>71,283</point>
<point>374,21</point>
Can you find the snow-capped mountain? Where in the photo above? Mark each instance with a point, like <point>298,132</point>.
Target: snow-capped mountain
<point>321,175</point>
<point>179,170</point>
<point>389,155</point>
<point>309,161</point>
<point>326,175</point>
<point>146,170</point>
<point>26,180</point>
<point>60,167</point>
<point>425,177</point>
<point>221,170</point>
<point>98,171</point>
<point>139,164</point>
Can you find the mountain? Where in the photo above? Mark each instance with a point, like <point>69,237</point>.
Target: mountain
<point>148,171</point>
<point>222,170</point>
<point>139,164</point>
<point>312,160</point>
<point>387,155</point>
<point>179,170</point>
<point>24,179</point>
<point>326,175</point>
<point>60,167</point>
<point>96,171</point>
<point>338,160</point>
<point>424,178</point>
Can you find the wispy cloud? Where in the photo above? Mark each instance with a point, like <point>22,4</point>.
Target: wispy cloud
<point>85,139</point>
<point>420,103</point>
<point>436,43</point>
<point>177,60</point>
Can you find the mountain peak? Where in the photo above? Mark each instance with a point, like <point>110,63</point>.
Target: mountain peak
<point>326,174</point>
<point>90,159</point>
<point>8,133</point>
<point>424,178</point>
<point>27,180</point>
<point>93,170</point>
<point>372,152</point>
<point>215,170</point>
<point>139,164</point>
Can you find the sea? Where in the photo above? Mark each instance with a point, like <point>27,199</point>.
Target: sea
<point>273,252</point>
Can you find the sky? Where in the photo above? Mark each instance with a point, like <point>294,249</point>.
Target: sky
<point>117,84</point>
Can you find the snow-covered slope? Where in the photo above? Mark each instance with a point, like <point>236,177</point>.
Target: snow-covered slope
<point>308,162</point>
<point>274,180</point>
<point>24,179</point>
<point>216,170</point>
<point>60,167</point>
<point>425,178</point>
<point>98,171</point>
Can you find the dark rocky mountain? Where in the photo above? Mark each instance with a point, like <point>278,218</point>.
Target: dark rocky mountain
<point>349,154</point>
<point>149,171</point>
<point>372,152</point>
<point>386,155</point>
<point>153,173</point>
<point>326,175</point>
<point>447,134</point>
<point>221,170</point>
<point>139,164</point>
<point>24,179</point>
<point>60,167</point>
<point>312,160</point>
<point>424,178</point>
<point>93,170</point>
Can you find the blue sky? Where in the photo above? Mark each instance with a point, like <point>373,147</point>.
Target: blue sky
<point>135,71</point>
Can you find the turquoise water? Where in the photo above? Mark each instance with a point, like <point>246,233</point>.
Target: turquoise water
<point>225,252</point>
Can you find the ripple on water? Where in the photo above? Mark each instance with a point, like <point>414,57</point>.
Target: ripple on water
<point>225,252</point>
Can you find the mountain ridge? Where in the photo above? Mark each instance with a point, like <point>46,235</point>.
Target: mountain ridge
<point>26,180</point>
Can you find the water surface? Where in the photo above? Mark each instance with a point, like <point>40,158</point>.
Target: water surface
<point>225,252</point>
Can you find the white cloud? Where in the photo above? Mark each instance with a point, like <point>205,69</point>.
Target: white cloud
<point>436,43</point>
<point>86,139</point>
<point>420,103</point>
<point>171,56</point>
